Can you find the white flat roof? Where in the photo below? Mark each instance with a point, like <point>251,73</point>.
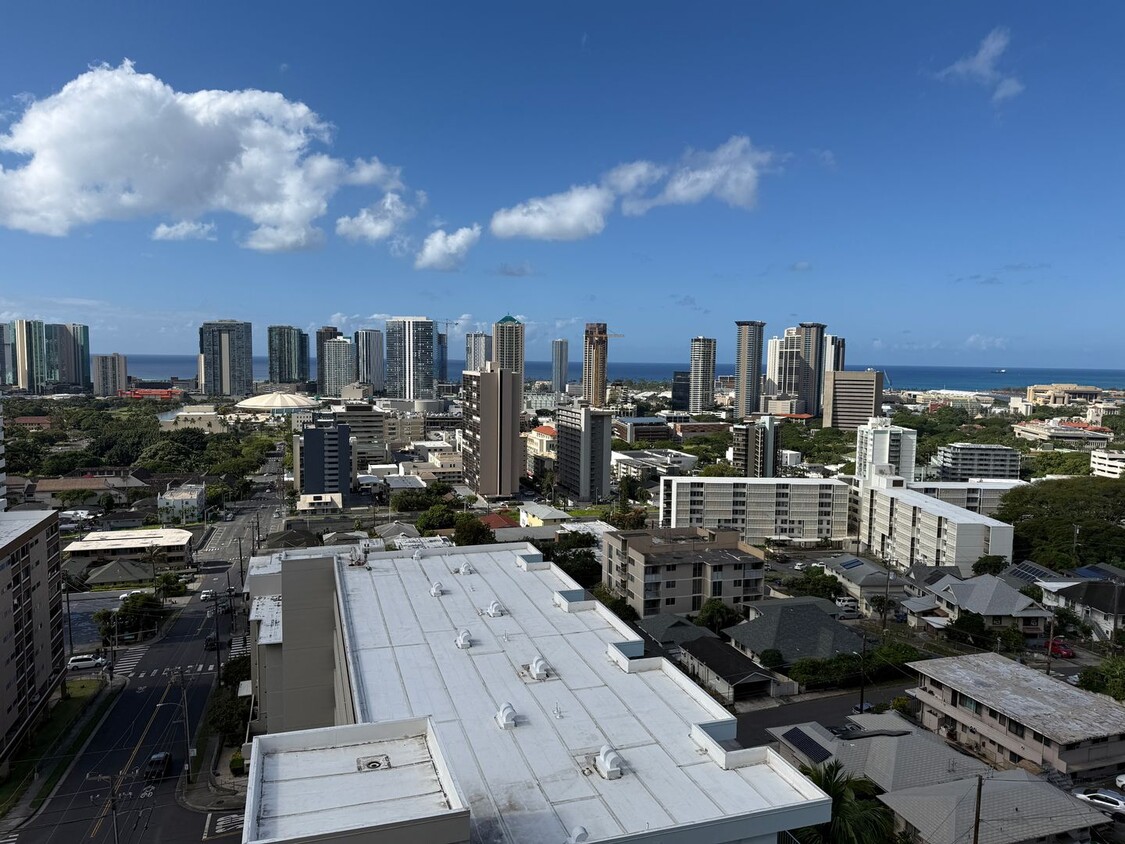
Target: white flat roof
<point>536,782</point>
<point>937,507</point>
<point>14,524</point>
<point>754,481</point>
<point>267,610</point>
<point>104,540</point>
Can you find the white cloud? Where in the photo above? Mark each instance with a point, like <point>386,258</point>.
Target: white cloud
<point>800,267</point>
<point>376,223</point>
<point>984,343</point>
<point>630,178</point>
<point>184,230</point>
<point>115,144</point>
<point>877,343</point>
<point>442,251</point>
<point>981,67</point>
<point>575,214</point>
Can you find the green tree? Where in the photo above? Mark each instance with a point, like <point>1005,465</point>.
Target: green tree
<point>716,615</point>
<point>771,658</point>
<point>857,817</point>
<point>628,520</point>
<point>1045,463</point>
<point>469,530</point>
<point>438,517</point>
<point>719,470</point>
<point>990,564</point>
<point>903,705</point>
<point>1070,623</point>
<point>882,605</point>
<point>615,603</point>
<point>969,628</point>
<point>816,583</point>
<point>1033,591</point>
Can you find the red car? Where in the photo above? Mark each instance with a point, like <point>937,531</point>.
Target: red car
<point>1057,647</point>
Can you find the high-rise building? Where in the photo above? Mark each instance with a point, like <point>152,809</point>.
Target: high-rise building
<point>31,625</point>
<point>322,459</point>
<point>7,354</point>
<point>834,347</point>
<point>879,443</point>
<point>756,448</point>
<point>30,342</point>
<point>323,335</point>
<point>595,353</point>
<point>226,362</point>
<point>851,398</point>
<point>3,464</point>
<point>812,370</point>
<point>961,461</point>
<point>584,436</point>
<point>289,354</point>
<point>795,367</point>
<point>702,374</point>
<point>508,346</point>
<point>492,449</point>
<point>681,390</point>
<point>748,368</point>
<point>338,363</point>
<point>67,354</point>
<point>110,373</point>
<point>478,351</point>
<point>560,364</point>
<point>369,367</point>
<point>441,357</point>
<point>410,358</point>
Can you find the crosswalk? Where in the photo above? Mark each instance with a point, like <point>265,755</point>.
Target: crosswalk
<point>173,670</point>
<point>125,664</point>
<point>9,838</point>
<point>239,646</point>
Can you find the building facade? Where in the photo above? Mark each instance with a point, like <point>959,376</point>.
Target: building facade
<point>851,398</point>
<point>323,335</point>
<point>410,358</point>
<point>702,374</point>
<point>560,365</point>
<point>110,374</point>
<point>288,354</point>
<point>804,510</point>
<point>492,451</point>
<point>67,354</point>
<point>369,368</point>
<point>338,364</point>
<point>748,367</point>
<point>1107,464</point>
<point>31,625</point>
<point>508,349</point>
<point>478,351</point>
<point>595,354</point>
<point>184,503</point>
<point>3,467</point>
<point>961,461</point>
<point>681,391</point>
<point>879,443</point>
<point>756,448</point>
<point>226,365</point>
<point>795,367</point>
<point>322,460</point>
<point>29,342</point>
<point>584,451</point>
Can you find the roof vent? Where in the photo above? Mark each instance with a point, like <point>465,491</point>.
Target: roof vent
<point>609,763</point>
<point>506,717</point>
<point>435,589</point>
<point>464,642</point>
<point>417,554</point>
<point>578,835</point>
<point>372,763</point>
<point>465,569</point>
<point>494,610</point>
<point>538,668</point>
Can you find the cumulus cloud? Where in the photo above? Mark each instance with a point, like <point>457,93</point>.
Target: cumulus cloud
<point>184,230</point>
<point>572,215</point>
<point>982,68</point>
<point>443,251</point>
<point>115,144</point>
<point>728,173</point>
<point>984,343</point>
<point>377,222</point>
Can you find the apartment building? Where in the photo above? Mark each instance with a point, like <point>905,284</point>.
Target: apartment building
<point>226,366</point>
<point>702,390</point>
<point>110,374</point>
<point>288,354</point>
<point>3,467</point>
<point>755,448</point>
<point>978,496</point>
<point>748,367</point>
<point>491,447</point>
<point>961,461</point>
<point>595,356</point>
<point>454,694</point>
<point>174,546</point>
<point>184,503</point>
<point>648,464</point>
<point>879,443</point>
<point>541,448</point>
<point>908,528</point>
<point>584,450</point>
<point>1012,715</point>
<point>31,624</point>
<point>1060,434</point>
<point>323,460</point>
<point>851,398</point>
<point>1107,464</point>
<point>337,366</point>
<point>370,366</point>
<point>805,510</point>
<point>677,570</point>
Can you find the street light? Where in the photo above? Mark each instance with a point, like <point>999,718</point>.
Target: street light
<point>187,732</point>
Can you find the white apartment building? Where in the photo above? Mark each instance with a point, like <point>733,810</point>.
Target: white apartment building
<point>879,443</point>
<point>1103,464</point>
<point>478,694</point>
<point>110,374</point>
<point>583,447</point>
<point>3,463</point>
<point>799,509</point>
<point>702,390</point>
<point>184,503</point>
<point>908,528</point>
<point>961,461</point>
<point>978,496</point>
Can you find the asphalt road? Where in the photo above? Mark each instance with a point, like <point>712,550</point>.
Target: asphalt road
<point>148,717</point>
<point>829,711</point>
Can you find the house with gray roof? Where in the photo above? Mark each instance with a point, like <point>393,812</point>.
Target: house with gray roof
<point>668,632</point>
<point>1015,808</point>
<point>942,601</point>
<point>1099,603</point>
<point>799,630</point>
<point>725,672</point>
<point>863,580</point>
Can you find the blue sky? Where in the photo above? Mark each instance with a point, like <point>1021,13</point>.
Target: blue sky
<point>940,183</point>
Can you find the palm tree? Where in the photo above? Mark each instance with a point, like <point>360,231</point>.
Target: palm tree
<point>154,555</point>
<point>857,817</point>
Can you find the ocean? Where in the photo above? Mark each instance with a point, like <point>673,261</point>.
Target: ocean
<point>977,378</point>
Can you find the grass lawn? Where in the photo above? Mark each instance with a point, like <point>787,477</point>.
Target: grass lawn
<point>44,740</point>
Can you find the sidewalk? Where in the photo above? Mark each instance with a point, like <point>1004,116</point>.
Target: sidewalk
<point>215,787</point>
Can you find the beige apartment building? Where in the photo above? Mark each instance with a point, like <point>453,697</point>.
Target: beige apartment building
<point>851,398</point>
<point>492,450</point>
<point>1060,395</point>
<point>173,544</point>
<point>452,694</point>
<point>677,570</point>
<point>1012,715</point>
<point>31,623</point>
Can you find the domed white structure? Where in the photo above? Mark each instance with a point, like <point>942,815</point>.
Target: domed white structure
<point>277,403</point>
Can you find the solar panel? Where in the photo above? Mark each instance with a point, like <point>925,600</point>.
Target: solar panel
<point>807,745</point>
<point>851,564</point>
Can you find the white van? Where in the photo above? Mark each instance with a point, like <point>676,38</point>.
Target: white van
<point>77,663</point>
<point>847,601</point>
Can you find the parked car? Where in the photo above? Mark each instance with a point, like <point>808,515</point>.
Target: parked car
<point>1057,647</point>
<point>800,566</point>
<point>206,594</point>
<point>77,663</point>
<point>862,710</point>
<point>156,768</point>
<point>1120,781</point>
<point>1106,799</point>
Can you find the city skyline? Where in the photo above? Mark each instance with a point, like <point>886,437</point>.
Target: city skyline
<point>872,174</point>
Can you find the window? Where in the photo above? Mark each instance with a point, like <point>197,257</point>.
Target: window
<point>669,602</point>
<point>1013,757</point>
<point>696,602</point>
<point>716,588</point>
<point>669,568</point>
<point>966,702</point>
<point>669,584</point>
<point>1016,729</point>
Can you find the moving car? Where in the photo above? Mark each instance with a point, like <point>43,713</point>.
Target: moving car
<point>206,594</point>
<point>1057,647</point>
<point>156,768</point>
<point>76,663</point>
<point>1106,799</point>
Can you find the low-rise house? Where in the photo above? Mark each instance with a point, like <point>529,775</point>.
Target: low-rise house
<point>173,547</point>
<point>724,671</point>
<point>320,502</point>
<point>1011,715</point>
<point>669,632</point>
<point>797,628</point>
<point>863,580</point>
<point>538,515</point>
<point>936,603</point>
<point>1100,603</point>
<point>184,503</point>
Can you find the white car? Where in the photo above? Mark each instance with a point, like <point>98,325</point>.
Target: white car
<point>206,594</point>
<point>1120,781</point>
<point>76,663</point>
<point>1108,801</point>
<point>800,566</point>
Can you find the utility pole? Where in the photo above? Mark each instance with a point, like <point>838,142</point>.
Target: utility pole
<point>976,811</point>
<point>1050,641</point>
<point>112,801</point>
<point>862,675</point>
<point>181,681</point>
<point>241,571</point>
